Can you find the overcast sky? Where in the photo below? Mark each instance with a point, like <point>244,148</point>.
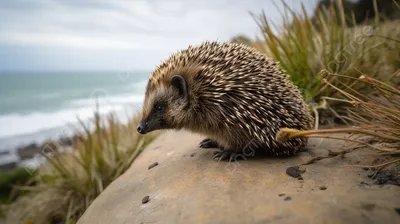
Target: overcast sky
<point>118,35</point>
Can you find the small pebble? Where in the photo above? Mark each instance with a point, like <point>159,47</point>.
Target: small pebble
<point>193,154</point>
<point>322,188</point>
<point>280,195</point>
<point>293,171</point>
<point>153,165</point>
<point>145,199</point>
<point>288,198</point>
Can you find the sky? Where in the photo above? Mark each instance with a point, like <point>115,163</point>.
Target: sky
<point>38,35</point>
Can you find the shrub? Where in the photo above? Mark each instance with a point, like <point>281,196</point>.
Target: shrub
<point>69,182</point>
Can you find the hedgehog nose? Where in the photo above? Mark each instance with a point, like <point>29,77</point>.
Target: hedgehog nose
<point>140,128</point>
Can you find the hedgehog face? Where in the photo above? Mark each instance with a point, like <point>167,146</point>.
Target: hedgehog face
<point>163,106</point>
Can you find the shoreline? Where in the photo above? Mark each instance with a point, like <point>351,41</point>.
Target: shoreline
<point>17,151</point>
<point>24,154</point>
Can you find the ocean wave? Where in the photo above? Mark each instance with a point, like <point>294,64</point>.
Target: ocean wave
<point>136,87</point>
<point>15,124</point>
<point>140,84</point>
<point>103,98</point>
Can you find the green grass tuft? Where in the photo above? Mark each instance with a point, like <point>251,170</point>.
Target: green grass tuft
<point>9,179</point>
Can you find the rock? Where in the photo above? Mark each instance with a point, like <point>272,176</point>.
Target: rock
<point>28,151</point>
<point>288,198</point>
<point>322,188</point>
<point>201,190</point>
<point>387,177</point>
<point>66,141</point>
<point>8,166</point>
<point>145,199</point>
<point>294,171</point>
<point>153,165</point>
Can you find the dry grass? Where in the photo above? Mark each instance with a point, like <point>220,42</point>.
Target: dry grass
<point>69,182</point>
<point>305,45</point>
<point>376,115</point>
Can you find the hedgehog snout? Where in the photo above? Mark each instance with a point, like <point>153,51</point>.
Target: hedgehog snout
<point>141,128</point>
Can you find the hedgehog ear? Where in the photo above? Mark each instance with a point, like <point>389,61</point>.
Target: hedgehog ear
<point>179,83</point>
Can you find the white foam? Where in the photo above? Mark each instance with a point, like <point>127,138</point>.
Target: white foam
<point>21,124</point>
<point>104,99</point>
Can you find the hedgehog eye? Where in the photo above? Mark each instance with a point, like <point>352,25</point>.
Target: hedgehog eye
<point>159,107</point>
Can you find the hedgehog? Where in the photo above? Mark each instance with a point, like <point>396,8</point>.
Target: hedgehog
<point>229,92</point>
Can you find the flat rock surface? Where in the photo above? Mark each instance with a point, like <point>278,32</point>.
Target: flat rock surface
<point>187,186</point>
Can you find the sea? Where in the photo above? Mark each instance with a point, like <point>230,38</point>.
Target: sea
<point>38,106</point>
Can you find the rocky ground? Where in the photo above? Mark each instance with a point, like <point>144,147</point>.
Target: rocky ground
<point>174,181</point>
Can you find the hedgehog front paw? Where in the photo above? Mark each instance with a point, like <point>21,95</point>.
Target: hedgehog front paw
<point>208,143</point>
<point>228,154</point>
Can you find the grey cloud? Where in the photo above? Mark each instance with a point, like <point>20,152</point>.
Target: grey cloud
<point>89,28</point>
